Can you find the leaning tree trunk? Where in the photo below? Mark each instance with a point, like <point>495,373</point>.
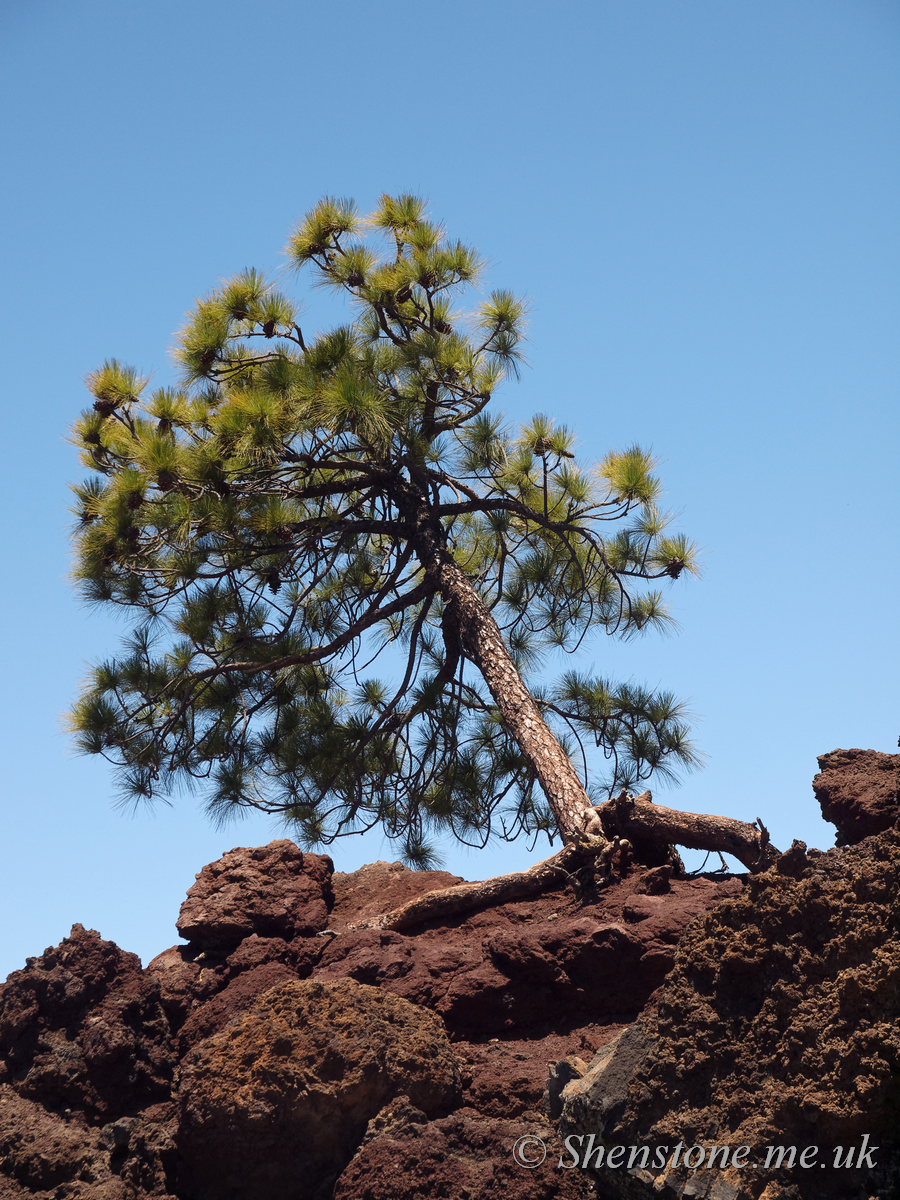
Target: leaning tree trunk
<point>484,644</point>
<point>637,817</point>
<point>587,832</point>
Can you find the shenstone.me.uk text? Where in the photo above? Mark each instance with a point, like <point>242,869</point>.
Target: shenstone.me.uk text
<point>582,1152</point>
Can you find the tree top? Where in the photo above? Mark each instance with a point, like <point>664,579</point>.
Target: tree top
<point>342,568</point>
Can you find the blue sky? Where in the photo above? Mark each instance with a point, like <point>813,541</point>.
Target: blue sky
<point>700,200</point>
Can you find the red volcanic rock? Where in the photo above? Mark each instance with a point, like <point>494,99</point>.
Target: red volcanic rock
<point>511,968</point>
<point>233,1001</point>
<point>274,891</point>
<point>376,888</point>
<point>301,955</point>
<point>49,1154</point>
<point>47,1149</point>
<point>463,1155</point>
<point>82,1026</point>
<point>86,1036</point>
<point>859,792</point>
<point>186,981</point>
<point>278,1102</point>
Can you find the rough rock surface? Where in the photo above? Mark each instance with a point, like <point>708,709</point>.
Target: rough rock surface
<point>88,1037</point>
<point>517,967</point>
<point>703,1008</point>
<point>83,1027</point>
<point>276,1104</point>
<point>274,890</point>
<point>859,792</point>
<point>779,1026</point>
<point>378,887</point>
<point>462,1155</point>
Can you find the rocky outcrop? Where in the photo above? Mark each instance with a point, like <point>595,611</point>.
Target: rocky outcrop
<point>463,1155</point>
<point>83,1027</point>
<point>93,1042</point>
<point>276,1104</point>
<point>859,792</point>
<point>273,891</point>
<point>521,965</point>
<point>290,1048</point>
<point>777,1027</point>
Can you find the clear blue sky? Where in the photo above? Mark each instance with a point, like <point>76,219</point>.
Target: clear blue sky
<point>701,200</point>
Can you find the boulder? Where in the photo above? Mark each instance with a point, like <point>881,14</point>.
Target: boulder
<point>859,792</point>
<point>82,1027</point>
<point>463,1155</point>
<point>277,1103</point>
<point>274,891</point>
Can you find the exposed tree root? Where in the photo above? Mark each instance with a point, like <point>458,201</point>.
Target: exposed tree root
<point>466,897</point>
<point>635,818</point>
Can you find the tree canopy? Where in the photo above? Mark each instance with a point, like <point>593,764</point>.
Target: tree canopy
<point>346,577</point>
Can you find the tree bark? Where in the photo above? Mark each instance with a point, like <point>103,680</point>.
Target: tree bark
<point>636,816</point>
<point>465,897</point>
<point>484,644</point>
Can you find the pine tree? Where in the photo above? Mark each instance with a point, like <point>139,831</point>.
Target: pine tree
<point>342,568</point>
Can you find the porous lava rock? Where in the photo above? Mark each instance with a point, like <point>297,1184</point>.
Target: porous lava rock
<point>276,1104</point>
<point>779,1026</point>
<point>778,1015</point>
<point>518,966</point>
<point>511,1007</point>
<point>83,1027</point>
<point>405,1157</point>
<point>274,891</point>
<point>46,1155</point>
<point>859,792</point>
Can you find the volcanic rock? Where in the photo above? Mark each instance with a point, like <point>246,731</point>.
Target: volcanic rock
<point>274,891</point>
<point>516,966</point>
<point>859,792</point>
<point>778,1026</point>
<point>278,1102</point>
<point>310,1042</point>
<point>463,1155</point>
<point>364,895</point>
<point>83,1027</point>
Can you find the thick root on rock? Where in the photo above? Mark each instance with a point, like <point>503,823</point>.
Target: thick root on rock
<point>638,817</point>
<point>609,831</point>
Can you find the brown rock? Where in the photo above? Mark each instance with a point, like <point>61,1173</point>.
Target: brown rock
<point>379,887</point>
<point>277,1103</point>
<point>301,955</point>
<point>274,890</point>
<point>463,1155</point>
<point>859,792</point>
<point>235,999</point>
<point>88,1040</point>
<point>186,980</point>
<point>510,968</point>
<point>40,1150</point>
<point>779,1025</point>
<point>82,1027</point>
<point>46,1154</point>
